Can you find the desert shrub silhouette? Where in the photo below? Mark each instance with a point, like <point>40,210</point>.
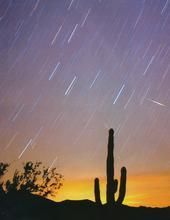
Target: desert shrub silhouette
<point>112,184</point>
<point>3,170</point>
<point>34,178</point>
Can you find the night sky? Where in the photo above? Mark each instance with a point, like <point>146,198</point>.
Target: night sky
<point>72,69</point>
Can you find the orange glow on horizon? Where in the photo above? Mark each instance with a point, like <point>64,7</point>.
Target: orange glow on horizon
<point>142,190</point>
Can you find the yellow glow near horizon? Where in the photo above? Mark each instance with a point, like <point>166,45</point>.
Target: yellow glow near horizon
<point>142,190</point>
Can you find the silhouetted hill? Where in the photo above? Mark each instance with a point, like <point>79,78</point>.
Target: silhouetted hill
<point>19,206</point>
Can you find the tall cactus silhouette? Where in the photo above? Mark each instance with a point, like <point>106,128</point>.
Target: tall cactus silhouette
<point>112,184</point>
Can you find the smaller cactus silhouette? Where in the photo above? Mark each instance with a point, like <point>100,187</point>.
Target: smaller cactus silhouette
<point>112,184</point>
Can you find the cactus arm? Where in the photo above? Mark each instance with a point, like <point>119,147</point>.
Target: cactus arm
<point>97,191</point>
<point>122,188</point>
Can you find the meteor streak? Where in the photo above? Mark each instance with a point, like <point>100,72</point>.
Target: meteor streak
<point>158,103</point>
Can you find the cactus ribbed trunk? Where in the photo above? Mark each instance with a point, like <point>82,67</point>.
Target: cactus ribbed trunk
<point>110,198</point>
<point>97,191</point>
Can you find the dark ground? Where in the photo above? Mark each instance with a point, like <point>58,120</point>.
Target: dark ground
<point>19,206</point>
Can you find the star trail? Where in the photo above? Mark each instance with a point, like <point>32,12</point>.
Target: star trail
<point>71,69</point>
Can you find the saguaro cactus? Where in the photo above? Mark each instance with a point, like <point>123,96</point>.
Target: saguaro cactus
<point>112,184</point>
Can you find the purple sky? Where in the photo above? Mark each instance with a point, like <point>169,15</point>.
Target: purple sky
<point>71,69</point>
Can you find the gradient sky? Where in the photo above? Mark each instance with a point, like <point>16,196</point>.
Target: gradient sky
<point>70,70</point>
